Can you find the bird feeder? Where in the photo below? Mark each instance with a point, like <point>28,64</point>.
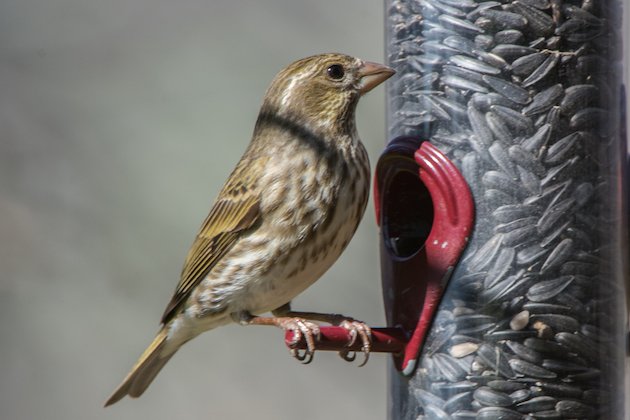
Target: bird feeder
<point>523,97</point>
<point>501,203</point>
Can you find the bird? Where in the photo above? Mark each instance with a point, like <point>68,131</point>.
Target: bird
<point>284,216</point>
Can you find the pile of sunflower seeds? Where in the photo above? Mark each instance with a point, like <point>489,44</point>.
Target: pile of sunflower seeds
<point>523,96</point>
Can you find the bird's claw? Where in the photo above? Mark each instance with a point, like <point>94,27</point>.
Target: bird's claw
<point>302,329</point>
<point>357,329</point>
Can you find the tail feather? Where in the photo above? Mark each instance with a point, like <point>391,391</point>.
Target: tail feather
<point>144,371</point>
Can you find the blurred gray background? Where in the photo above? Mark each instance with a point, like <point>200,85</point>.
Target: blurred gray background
<point>119,122</point>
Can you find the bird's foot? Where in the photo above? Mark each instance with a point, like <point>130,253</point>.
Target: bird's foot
<point>357,329</point>
<point>301,328</point>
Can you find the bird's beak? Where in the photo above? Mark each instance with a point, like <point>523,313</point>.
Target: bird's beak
<point>372,75</point>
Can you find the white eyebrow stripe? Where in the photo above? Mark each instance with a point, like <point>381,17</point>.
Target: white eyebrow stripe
<point>288,91</point>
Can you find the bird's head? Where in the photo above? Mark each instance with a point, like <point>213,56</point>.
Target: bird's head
<point>322,91</point>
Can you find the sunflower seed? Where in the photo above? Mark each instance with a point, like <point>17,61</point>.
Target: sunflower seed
<point>474,14</point>
<point>517,121</point>
<point>520,395</point>
<point>501,267</point>
<point>542,70</point>
<point>506,289</point>
<point>479,125</point>
<point>496,413</point>
<point>504,20</point>
<point>494,358</point>
<point>508,36</point>
<point>515,224</point>
<point>578,343</point>
<point>525,65</point>
<point>526,159</point>
<point>461,44</point>
<point>561,149</point>
<point>577,96</point>
<point>557,322</point>
<point>461,83</point>
<point>473,64</point>
<point>489,397</point>
<point>485,255</point>
<point>572,26</point>
<point>519,321</point>
<point>560,172</point>
<point>525,352</point>
<point>449,367</point>
<point>529,180</point>
<point>520,236</point>
<point>540,23</point>
<point>563,366</point>
<point>574,409</point>
<point>509,90</point>
<point>589,119</point>
<point>473,320</point>
<point>426,398</point>
<point>543,308</point>
<point>588,376</point>
<point>558,256</point>
<point>505,386</point>
<point>438,48</point>
<point>500,181</point>
<point>461,4</point>
<point>561,390</point>
<point>512,51</point>
<point>531,370</point>
<point>539,140</point>
<point>464,415</point>
<point>544,100</point>
<point>448,389</point>
<point>498,128</point>
<point>547,289</point>
<point>503,335</point>
<point>545,415</point>
<point>463,349</point>
<point>510,213</point>
<point>448,9</point>
<point>459,25</point>
<point>553,214</point>
<point>435,413</point>
<point>458,402</point>
<point>541,403</point>
<point>499,197</point>
<point>500,157</point>
<point>530,254</point>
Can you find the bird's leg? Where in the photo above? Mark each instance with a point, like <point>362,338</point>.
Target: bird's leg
<point>298,325</point>
<point>355,329</point>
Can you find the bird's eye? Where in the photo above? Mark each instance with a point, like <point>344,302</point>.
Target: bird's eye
<point>335,71</point>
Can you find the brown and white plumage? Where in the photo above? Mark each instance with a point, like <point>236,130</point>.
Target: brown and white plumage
<point>285,214</point>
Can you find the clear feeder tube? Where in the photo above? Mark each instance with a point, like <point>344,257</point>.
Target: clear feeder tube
<point>525,97</point>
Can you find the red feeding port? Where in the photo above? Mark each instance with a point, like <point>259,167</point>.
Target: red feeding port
<point>425,210</point>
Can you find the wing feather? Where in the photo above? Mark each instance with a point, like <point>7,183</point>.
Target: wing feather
<point>236,210</point>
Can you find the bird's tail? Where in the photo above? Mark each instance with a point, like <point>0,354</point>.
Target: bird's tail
<point>145,370</point>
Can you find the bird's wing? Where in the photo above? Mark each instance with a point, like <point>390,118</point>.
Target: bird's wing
<point>236,209</point>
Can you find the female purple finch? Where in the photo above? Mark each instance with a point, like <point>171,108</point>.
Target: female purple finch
<point>283,217</point>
